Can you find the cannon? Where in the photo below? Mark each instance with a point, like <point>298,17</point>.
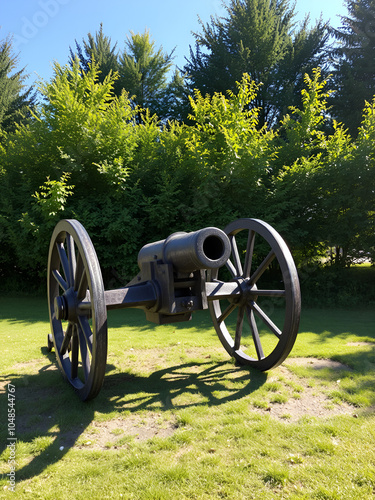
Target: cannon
<point>243,274</point>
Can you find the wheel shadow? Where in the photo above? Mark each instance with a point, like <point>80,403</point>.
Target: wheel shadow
<point>50,418</point>
<point>176,387</point>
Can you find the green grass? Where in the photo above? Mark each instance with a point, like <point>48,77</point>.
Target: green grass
<point>176,418</point>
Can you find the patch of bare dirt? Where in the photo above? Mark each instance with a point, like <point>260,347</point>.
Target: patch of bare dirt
<point>116,432</point>
<point>317,363</point>
<point>312,401</point>
<point>359,344</point>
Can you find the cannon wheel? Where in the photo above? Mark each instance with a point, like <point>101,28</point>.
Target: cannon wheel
<point>78,314</point>
<point>264,270</point>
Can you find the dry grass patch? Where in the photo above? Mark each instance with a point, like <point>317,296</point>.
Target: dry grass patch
<point>308,402</point>
<point>118,432</point>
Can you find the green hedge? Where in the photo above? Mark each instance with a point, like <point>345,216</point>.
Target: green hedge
<point>85,155</point>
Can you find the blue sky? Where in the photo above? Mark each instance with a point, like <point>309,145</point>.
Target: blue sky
<point>43,30</point>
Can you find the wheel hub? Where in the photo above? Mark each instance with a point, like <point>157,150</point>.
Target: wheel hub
<point>66,306</point>
<point>247,292</point>
<point>60,307</point>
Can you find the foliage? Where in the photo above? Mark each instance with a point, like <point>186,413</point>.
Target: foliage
<point>319,195</point>
<point>334,286</point>
<point>294,200</point>
<point>173,103</point>
<point>91,155</point>
<point>37,225</point>
<point>232,152</point>
<point>257,37</point>
<point>302,129</point>
<point>143,73</point>
<point>15,99</point>
<point>82,130</point>
<point>97,50</point>
<point>52,197</point>
<point>136,154</point>
<point>354,62</point>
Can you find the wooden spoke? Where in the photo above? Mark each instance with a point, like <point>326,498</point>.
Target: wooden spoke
<point>60,280</point>
<point>82,287</point>
<point>80,270</point>
<point>236,257</point>
<point>80,280</point>
<point>231,268</point>
<point>84,353</point>
<point>65,343</point>
<point>255,333</point>
<point>239,327</point>
<point>227,312</point>
<point>63,260</point>
<point>271,325</point>
<point>263,267</point>
<point>74,355</point>
<point>71,258</point>
<point>249,254</point>
<point>86,331</point>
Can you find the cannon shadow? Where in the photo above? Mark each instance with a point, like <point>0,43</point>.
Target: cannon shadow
<point>48,408</point>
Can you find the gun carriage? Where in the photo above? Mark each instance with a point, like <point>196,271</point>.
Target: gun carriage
<point>241,274</point>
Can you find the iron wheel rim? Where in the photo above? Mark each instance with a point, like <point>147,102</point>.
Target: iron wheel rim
<point>74,275</point>
<point>248,308</point>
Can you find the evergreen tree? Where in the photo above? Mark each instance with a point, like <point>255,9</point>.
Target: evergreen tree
<point>172,105</point>
<point>97,49</point>
<point>15,99</point>
<point>143,74</point>
<point>354,63</point>
<point>258,37</point>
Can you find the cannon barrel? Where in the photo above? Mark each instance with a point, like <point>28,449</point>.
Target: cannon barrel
<point>208,248</point>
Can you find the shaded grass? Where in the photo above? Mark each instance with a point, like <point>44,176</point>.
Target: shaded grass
<point>220,446</point>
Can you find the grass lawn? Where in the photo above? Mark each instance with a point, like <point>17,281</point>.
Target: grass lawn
<point>177,419</point>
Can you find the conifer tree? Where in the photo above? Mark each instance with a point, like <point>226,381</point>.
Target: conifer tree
<point>354,63</point>
<point>143,74</point>
<point>172,104</point>
<point>98,49</point>
<point>260,38</point>
<point>15,98</point>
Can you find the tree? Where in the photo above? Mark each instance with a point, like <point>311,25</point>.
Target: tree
<point>232,153</point>
<point>354,63</point>
<point>257,37</point>
<point>15,99</point>
<point>71,160</point>
<point>307,53</point>
<point>323,196</point>
<point>172,104</point>
<point>294,199</point>
<point>98,50</point>
<point>143,74</point>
